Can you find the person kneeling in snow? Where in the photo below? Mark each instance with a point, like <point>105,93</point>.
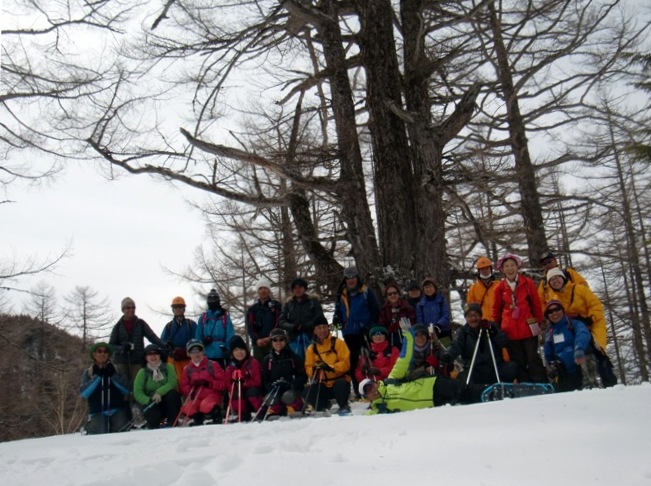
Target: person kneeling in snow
<point>245,375</point>
<point>202,383</point>
<point>398,394</point>
<point>565,347</point>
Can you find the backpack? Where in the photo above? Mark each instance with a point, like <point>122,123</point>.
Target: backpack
<point>204,318</point>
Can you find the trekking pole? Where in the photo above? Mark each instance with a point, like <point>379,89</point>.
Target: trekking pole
<point>272,400</point>
<point>474,356</point>
<point>309,390</point>
<point>230,403</point>
<point>176,420</point>
<point>267,401</point>
<point>108,404</point>
<point>240,400</point>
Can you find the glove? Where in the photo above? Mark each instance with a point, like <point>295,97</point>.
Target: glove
<point>207,340</point>
<point>374,371</point>
<point>238,375</point>
<point>127,348</point>
<point>552,371</point>
<point>156,398</point>
<point>324,366</point>
<point>579,356</point>
<point>199,383</point>
<point>109,370</point>
<point>485,324</point>
<point>169,346</point>
<point>280,382</point>
<point>93,370</point>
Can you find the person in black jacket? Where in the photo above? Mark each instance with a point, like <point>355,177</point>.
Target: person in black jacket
<point>127,339</point>
<point>283,375</point>
<point>483,371</point>
<point>261,318</point>
<point>105,390</point>
<point>299,315</point>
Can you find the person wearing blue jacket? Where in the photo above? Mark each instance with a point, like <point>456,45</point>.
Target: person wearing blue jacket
<point>106,390</point>
<point>434,309</point>
<point>176,335</point>
<point>565,347</point>
<point>215,329</point>
<point>357,311</point>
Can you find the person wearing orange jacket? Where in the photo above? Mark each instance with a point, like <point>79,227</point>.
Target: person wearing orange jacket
<point>327,364</point>
<point>482,292</point>
<point>518,313</point>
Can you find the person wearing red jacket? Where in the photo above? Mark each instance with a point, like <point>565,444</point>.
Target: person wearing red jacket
<point>394,309</point>
<point>518,313</point>
<point>203,384</point>
<point>244,373</point>
<point>376,364</point>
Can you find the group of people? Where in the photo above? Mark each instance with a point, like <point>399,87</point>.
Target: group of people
<point>200,372</point>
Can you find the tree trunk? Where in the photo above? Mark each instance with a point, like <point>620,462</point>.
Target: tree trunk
<point>525,173</point>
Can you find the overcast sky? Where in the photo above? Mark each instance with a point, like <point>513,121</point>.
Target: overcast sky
<point>121,233</point>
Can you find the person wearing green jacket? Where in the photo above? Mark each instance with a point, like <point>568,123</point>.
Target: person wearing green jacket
<point>397,394</point>
<point>155,389</point>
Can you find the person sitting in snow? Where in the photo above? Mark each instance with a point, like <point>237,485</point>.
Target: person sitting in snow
<point>155,389</point>
<point>398,393</point>
<point>283,375</point>
<point>106,390</point>
<point>377,362</point>
<point>245,375</point>
<point>327,363</point>
<point>565,347</point>
<point>203,383</point>
<point>425,359</point>
<point>464,345</point>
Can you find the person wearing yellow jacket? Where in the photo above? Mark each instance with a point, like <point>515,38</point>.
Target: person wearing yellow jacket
<point>327,364</point>
<point>482,292</point>
<point>579,303</point>
<point>548,262</point>
<point>397,394</point>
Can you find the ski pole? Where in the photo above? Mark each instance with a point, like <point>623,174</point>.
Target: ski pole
<point>230,403</point>
<point>108,403</point>
<point>272,400</point>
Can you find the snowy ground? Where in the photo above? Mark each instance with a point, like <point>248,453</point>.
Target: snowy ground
<point>595,437</point>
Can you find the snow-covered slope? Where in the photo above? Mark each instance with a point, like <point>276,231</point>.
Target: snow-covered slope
<point>591,437</point>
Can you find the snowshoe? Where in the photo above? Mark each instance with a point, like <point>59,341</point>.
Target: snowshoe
<point>500,391</point>
<point>138,420</point>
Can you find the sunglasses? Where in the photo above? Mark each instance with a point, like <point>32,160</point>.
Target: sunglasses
<point>153,353</point>
<point>178,307</point>
<point>278,340</point>
<point>377,334</point>
<point>195,350</point>
<point>102,351</point>
<point>389,294</point>
<point>554,309</point>
<point>129,307</point>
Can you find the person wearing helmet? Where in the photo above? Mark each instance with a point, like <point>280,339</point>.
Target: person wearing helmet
<point>482,291</point>
<point>155,389</point>
<point>176,335</point>
<point>261,318</point>
<point>549,261</point>
<point>215,329</point>
<point>203,384</point>
<point>518,313</point>
<point>105,389</point>
<point>128,340</point>
<point>298,316</point>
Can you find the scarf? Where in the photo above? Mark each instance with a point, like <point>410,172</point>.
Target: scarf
<point>157,375</point>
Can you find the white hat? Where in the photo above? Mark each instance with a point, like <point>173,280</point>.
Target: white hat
<point>263,282</point>
<point>555,272</point>
<point>363,384</point>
